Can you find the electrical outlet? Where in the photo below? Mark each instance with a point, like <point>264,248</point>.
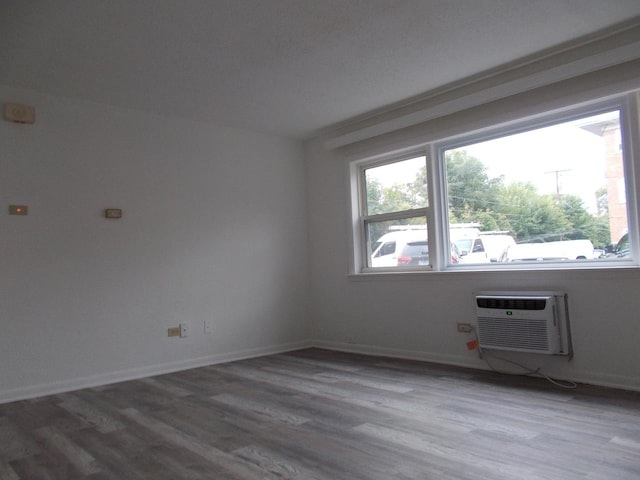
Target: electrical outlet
<point>173,332</point>
<point>184,330</point>
<point>465,328</point>
<point>208,327</point>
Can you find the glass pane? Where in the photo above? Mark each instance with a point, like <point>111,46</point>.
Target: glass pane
<point>396,186</point>
<point>389,240</point>
<point>550,194</point>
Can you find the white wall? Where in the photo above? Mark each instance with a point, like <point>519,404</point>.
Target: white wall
<point>213,229</point>
<point>415,315</point>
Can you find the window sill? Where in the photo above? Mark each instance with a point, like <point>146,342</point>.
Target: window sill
<point>627,269</point>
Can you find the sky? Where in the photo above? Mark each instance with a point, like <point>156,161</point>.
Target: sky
<point>575,154</point>
<point>564,157</point>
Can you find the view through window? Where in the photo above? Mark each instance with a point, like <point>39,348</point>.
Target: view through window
<point>546,195</point>
<point>396,205</point>
<point>552,194</point>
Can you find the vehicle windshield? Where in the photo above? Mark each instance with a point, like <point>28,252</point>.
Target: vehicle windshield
<point>463,244</point>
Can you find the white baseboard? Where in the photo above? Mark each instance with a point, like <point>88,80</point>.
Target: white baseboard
<point>590,378</point>
<point>399,353</point>
<point>40,390</point>
<point>23,393</point>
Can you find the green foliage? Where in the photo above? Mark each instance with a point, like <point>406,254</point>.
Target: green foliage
<point>602,200</point>
<point>599,231</point>
<point>473,195</point>
<point>375,195</point>
<point>529,214</point>
<point>397,197</point>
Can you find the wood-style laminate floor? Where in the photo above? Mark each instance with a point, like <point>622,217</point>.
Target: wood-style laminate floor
<point>316,414</point>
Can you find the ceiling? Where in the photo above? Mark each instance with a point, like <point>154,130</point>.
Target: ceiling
<point>285,67</point>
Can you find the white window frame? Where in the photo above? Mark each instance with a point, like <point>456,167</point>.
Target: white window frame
<point>437,213</point>
<point>362,219</point>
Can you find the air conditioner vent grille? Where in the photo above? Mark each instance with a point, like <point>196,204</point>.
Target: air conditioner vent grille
<point>517,333</point>
<point>512,303</point>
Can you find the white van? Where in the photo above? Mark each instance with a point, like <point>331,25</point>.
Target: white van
<point>466,236</point>
<point>483,248</point>
<point>472,250</point>
<point>495,244</point>
<point>550,251</point>
<point>576,249</point>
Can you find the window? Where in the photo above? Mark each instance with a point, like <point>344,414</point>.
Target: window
<point>549,192</point>
<point>394,208</point>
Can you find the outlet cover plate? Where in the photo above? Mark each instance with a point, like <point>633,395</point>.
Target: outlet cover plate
<point>184,330</point>
<point>465,327</point>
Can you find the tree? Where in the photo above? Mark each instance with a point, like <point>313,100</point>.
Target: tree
<point>583,223</point>
<point>398,197</point>
<point>395,198</point>
<point>599,232</point>
<point>472,193</point>
<point>531,215</point>
<point>375,196</point>
<point>418,189</point>
<point>579,218</point>
<point>602,201</point>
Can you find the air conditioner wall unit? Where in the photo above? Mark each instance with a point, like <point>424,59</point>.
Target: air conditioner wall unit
<point>533,322</point>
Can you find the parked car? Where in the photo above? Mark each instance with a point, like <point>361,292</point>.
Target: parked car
<point>417,253</point>
<point>388,247</point>
<point>619,250</point>
<point>414,253</point>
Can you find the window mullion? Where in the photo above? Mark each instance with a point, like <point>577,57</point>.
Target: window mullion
<point>436,220</point>
<point>630,122</point>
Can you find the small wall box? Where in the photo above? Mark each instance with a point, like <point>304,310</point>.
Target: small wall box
<point>19,113</point>
<point>113,213</point>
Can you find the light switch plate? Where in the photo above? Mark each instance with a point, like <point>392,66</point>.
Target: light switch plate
<point>113,213</point>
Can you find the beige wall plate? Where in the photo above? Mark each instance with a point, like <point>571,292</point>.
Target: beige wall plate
<point>113,213</point>
<point>18,113</point>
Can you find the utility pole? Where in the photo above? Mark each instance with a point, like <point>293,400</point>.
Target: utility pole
<point>557,174</point>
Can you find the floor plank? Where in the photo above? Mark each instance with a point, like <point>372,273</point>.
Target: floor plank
<point>320,415</point>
